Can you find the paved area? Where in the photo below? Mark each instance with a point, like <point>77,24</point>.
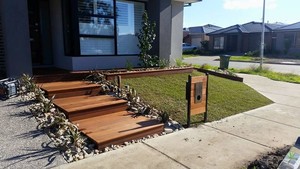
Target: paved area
<point>229,143</point>
<point>240,65</point>
<point>21,144</point>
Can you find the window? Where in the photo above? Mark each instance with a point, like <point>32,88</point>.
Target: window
<point>96,27</point>
<point>129,21</point>
<point>102,27</point>
<point>219,43</point>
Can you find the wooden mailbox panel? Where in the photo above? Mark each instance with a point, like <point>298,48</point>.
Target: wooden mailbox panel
<point>198,108</point>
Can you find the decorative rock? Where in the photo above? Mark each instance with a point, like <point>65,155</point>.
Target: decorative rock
<point>106,149</point>
<point>96,151</point>
<point>168,130</point>
<point>81,157</point>
<point>126,143</point>
<point>155,135</point>
<point>70,159</point>
<point>154,117</point>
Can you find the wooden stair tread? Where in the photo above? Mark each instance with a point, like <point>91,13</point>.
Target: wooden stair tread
<point>82,99</point>
<point>73,85</point>
<point>76,107</point>
<point>111,127</point>
<point>102,118</point>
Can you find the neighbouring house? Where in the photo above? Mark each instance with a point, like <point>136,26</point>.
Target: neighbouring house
<point>243,38</point>
<point>288,39</point>
<point>84,34</point>
<point>195,35</point>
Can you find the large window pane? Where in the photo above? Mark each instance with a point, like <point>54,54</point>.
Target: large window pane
<point>96,26</point>
<point>96,7</point>
<point>129,19</point>
<point>96,46</point>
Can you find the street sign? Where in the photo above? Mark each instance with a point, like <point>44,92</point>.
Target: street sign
<point>196,95</point>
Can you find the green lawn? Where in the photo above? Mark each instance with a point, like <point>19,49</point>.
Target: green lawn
<point>167,93</point>
<point>189,55</point>
<point>285,77</point>
<point>244,58</point>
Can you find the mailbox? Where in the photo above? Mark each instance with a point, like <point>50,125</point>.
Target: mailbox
<point>198,92</point>
<point>196,95</point>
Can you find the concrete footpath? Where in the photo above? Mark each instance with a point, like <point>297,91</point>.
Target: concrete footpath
<point>229,143</point>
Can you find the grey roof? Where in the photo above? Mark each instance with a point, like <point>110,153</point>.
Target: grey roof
<point>251,27</point>
<point>204,29</point>
<point>294,26</point>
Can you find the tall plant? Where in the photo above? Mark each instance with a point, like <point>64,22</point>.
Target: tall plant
<point>146,36</point>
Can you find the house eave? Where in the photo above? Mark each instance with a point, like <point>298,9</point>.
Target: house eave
<point>189,1</point>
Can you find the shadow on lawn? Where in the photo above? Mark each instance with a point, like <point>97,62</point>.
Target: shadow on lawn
<point>47,151</point>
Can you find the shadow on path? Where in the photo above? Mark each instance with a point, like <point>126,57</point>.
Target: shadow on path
<point>47,151</point>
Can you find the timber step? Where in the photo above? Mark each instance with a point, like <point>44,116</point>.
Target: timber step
<point>81,107</point>
<point>117,128</point>
<point>69,89</point>
<point>102,118</point>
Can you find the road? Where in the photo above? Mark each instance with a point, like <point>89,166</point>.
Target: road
<point>239,65</point>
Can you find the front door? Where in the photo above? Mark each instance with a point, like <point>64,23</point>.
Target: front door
<point>40,32</point>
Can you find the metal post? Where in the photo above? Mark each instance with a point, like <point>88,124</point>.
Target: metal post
<point>188,96</point>
<point>262,36</point>
<point>206,106</point>
<point>119,85</point>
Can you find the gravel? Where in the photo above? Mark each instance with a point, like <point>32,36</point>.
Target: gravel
<point>22,145</point>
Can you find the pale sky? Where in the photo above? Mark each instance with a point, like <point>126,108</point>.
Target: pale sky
<point>225,13</point>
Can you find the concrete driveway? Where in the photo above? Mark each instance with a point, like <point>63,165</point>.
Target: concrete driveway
<point>211,60</point>
<point>229,143</point>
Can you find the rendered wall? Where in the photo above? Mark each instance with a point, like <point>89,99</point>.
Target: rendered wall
<point>59,58</point>
<point>14,14</point>
<point>177,33</point>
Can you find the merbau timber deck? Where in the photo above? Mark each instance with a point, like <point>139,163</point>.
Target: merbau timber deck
<point>102,118</point>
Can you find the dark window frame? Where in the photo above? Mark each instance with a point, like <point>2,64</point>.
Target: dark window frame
<point>71,33</point>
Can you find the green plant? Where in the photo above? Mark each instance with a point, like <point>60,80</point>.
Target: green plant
<point>128,65</point>
<point>208,67</point>
<point>146,36</point>
<point>180,63</point>
<point>254,53</point>
<point>64,134</point>
<point>163,63</point>
<point>165,117</point>
<point>205,45</point>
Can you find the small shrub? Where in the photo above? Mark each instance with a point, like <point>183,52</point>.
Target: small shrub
<point>205,45</point>
<point>163,63</point>
<point>164,116</point>
<point>128,65</point>
<point>254,53</point>
<point>146,36</point>
<point>208,67</point>
<point>180,63</point>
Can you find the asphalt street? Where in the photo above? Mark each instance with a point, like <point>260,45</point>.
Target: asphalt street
<point>274,67</point>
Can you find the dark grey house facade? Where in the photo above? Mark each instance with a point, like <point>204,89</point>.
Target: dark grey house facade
<point>84,34</point>
<point>243,38</point>
<point>288,39</point>
<point>195,35</point>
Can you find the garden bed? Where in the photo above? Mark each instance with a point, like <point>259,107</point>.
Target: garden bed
<point>230,77</point>
<point>148,72</point>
